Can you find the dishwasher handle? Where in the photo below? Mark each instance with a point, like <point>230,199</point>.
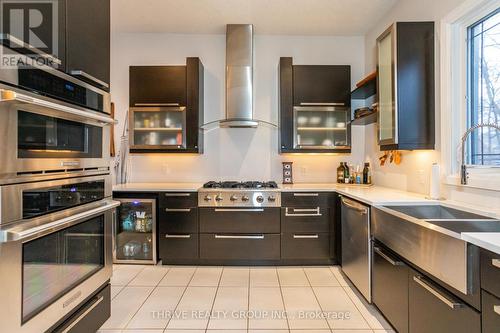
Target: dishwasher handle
<point>354,205</point>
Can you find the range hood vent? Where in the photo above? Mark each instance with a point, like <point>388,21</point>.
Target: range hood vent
<point>239,78</point>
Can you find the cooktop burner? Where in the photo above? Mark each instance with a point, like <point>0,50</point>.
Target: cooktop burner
<point>241,185</point>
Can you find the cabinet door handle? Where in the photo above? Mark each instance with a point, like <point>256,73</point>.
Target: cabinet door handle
<point>354,205</point>
<point>221,210</point>
<point>79,72</point>
<point>177,236</point>
<point>177,194</point>
<point>306,236</point>
<point>449,302</point>
<point>156,104</point>
<point>387,258</point>
<point>495,262</point>
<point>83,314</point>
<point>178,210</point>
<point>303,211</point>
<point>239,236</point>
<point>320,104</point>
<point>496,309</point>
<point>306,194</point>
<point>21,44</point>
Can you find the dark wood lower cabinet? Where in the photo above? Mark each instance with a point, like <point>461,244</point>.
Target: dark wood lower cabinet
<point>434,310</point>
<point>240,247</point>
<point>306,246</point>
<point>390,287</point>
<point>178,247</point>
<point>490,308</point>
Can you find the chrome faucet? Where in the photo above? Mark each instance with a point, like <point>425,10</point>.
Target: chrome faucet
<point>463,168</point>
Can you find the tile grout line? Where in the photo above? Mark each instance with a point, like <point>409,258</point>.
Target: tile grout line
<point>215,297</point>
<point>282,299</point>
<point>248,301</point>
<point>316,298</point>
<point>180,298</point>
<point>357,307</point>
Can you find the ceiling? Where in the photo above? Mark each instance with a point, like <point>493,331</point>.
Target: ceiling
<point>284,17</point>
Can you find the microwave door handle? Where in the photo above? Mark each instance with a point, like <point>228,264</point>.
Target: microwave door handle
<point>13,235</point>
<point>23,45</point>
<point>14,96</point>
<point>79,72</point>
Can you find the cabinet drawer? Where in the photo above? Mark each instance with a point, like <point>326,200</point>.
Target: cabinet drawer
<point>306,199</point>
<point>178,199</point>
<point>178,220</point>
<point>490,272</point>
<point>240,220</point>
<point>157,85</point>
<point>91,316</point>
<point>434,310</point>
<point>315,219</point>
<point>390,287</point>
<point>240,247</point>
<point>177,246</point>
<point>490,309</point>
<point>305,246</point>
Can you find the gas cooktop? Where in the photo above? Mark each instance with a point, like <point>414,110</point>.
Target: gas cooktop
<point>239,194</point>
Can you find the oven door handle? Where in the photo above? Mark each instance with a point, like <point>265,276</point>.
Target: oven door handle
<point>12,96</point>
<point>19,233</point>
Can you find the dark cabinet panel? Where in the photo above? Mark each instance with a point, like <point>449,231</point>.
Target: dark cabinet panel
<point>307,199</point>
<point>390,287</point>
<point>195,105</point>
<point>240,247</point>
<point>434,310</point>
<point>178,247</point>
<point>157,85</point>
<point>490,313</point>
<point>490,272</point>
<point>229,220</point>
<point>87,40</point>
<point>178,220</point>
<point>286,103</point>
<point>305,245</point>
<point>315,219</point>
<point>321,84</point>
<point>178,199</point>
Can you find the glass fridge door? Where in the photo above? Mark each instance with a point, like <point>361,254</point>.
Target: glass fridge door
<point>158,128</point>
<point>321,127</point>
<point>135,232</point>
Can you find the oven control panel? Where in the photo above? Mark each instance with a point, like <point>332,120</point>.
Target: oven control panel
<point>239,198</point>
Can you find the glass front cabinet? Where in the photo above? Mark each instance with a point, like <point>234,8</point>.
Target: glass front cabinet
<point>135,231</point>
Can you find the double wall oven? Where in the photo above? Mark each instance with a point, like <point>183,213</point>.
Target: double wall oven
<point>56,211</point>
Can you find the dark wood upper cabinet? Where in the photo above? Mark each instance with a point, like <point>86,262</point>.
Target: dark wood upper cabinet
<point>166,108</point>
<point>314,108</point>
<point>405,86</point>
<point>87,40</point>
<point>321,84</point>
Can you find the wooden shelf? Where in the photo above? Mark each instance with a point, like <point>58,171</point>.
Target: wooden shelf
<point>321,128</point>
<point>365,120</point>
<point>367,88</point>
<point>171,129</point>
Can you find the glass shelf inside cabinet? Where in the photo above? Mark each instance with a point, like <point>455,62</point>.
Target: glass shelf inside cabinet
<point>321,127</point>
<point>134,232</point>
<point>159,127</point>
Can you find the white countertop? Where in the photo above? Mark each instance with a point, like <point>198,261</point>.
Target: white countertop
<point>372,195</point>
<point>158,187</point>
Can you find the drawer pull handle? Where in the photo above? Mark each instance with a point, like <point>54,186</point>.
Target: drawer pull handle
<point>495,262</point>
<point>219,210</point>
<point>157,104</point>
<point>239,237</point>
<point>303,211</point>
<point>496,309</point>
<point>83,314</point>
<point>355,206</point>
<point>391,261</point>
<point>306,236</point>
<point>177,236</point>
<point>178,210</point>
<point>177,194</point>
<point>450,303</point>
<point>306,194</point>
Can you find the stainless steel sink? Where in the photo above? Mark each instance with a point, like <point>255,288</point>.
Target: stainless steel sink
<point>436,212</point>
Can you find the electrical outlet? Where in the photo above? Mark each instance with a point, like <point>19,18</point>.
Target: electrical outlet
<point>421,178</point>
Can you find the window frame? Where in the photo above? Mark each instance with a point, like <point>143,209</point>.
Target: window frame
<point>454,59</point>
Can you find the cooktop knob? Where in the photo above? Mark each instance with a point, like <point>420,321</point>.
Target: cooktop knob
<point>233,198</point>
<point>245,198</point>
<point>218,197</point>
<point>207,198</point>
<point>272,198</point>
<point>260,199</point>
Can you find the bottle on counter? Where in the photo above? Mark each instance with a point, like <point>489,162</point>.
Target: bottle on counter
<point>346,173</point>
<point>340,173</point>
<point>366,174</point>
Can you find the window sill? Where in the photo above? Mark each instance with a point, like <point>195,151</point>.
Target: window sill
<point>482,182</point>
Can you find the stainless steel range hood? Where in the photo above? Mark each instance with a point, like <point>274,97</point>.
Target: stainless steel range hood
<point>239,79</point>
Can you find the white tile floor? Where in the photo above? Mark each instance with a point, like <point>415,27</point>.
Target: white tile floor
<point>186,299</point>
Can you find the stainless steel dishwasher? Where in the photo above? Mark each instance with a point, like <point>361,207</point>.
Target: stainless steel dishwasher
<point>356,245</point>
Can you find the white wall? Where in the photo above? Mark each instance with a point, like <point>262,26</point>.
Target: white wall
<point>233,153</point>
<point>414,172</point>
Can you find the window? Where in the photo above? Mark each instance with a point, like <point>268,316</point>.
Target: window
<point>484,89</point>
